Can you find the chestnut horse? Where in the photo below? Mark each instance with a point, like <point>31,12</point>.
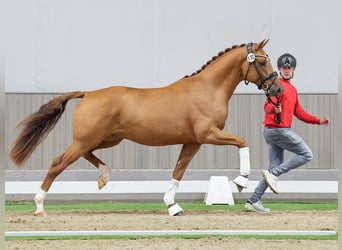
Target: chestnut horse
<point>191,111</point>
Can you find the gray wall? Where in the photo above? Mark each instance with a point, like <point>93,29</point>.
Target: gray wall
<point>57,46</point>
<point>245,119</point>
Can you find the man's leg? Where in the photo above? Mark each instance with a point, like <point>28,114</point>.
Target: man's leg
<point>275,156</point>
<point>295,144</point>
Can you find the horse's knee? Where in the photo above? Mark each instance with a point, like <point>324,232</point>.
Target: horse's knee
<point>243,143</point>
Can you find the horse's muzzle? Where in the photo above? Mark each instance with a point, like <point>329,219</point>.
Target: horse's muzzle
<point>276,89</point>
<point>279,91</point>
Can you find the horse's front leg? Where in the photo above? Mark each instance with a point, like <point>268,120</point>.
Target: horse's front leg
<point>187,153</point>
<point>220,137</point>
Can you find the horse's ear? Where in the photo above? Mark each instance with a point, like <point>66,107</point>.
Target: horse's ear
<point>263,43</point>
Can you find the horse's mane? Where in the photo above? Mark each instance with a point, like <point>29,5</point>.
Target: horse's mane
<point>214,58</point>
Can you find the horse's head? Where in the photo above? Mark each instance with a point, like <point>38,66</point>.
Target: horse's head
<point>258,69</point>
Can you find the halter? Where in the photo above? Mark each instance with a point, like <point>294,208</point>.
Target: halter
<point>264,84</point>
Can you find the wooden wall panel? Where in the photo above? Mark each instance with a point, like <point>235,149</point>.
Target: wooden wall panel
<point>245,119</point>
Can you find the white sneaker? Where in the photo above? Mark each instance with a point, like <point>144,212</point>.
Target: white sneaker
<point>256,207</point>
<point>271,180</point>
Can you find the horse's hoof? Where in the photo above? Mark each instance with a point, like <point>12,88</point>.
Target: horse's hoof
<point>179,213</point>
<point>241,182</point>
<point>101,182</point>
<point>175,210</point>
<point>239,188</point>
<point>40,213</point>
<point>104,176</point>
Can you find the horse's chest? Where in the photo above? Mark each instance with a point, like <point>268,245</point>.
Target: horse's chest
<point>219,118</point>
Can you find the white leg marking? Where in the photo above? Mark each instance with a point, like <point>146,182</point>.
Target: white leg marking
<point>245,166</point>
<point>104,176</point>
<point>169,197</point>
<point>39,200</point>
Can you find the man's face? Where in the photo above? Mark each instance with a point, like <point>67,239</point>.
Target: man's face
<point>286,72</point>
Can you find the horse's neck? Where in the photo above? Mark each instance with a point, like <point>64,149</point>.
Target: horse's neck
<point>225,73</point>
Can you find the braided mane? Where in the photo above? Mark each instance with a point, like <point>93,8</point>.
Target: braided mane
<point>214,58</point>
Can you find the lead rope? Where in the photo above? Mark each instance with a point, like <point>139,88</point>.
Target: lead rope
<point>277,117</point>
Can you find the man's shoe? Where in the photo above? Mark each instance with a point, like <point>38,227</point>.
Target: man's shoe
<point>271,180</point>
<point>256,207</point>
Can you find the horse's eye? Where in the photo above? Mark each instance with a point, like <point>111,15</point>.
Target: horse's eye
<point>262,63</point>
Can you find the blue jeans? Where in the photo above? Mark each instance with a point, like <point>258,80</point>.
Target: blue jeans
<point>278,140</point>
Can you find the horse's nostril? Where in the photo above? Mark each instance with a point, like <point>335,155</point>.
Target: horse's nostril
<point>279,91</point>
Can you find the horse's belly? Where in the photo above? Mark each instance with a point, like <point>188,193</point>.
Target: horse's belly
<point>159,136</point>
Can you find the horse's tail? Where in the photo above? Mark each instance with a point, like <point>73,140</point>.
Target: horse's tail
<point>38,125</point>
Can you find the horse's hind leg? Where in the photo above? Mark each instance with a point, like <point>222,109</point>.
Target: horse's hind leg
<point>186,155</point>
<point>105,171</point>
<point>61,162</point>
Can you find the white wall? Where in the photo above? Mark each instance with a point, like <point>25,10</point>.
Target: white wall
<point>66,45</point>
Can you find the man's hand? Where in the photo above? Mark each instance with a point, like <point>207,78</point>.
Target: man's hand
<point>277,109</point>
<point>324,121</point>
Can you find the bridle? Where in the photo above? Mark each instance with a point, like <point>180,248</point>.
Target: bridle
<point>264,84</point>
<point>264,80</point>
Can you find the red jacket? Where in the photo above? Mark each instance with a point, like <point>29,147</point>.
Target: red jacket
<point>289,106</point>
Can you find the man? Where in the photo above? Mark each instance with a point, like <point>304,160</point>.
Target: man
<point>280,137</point>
